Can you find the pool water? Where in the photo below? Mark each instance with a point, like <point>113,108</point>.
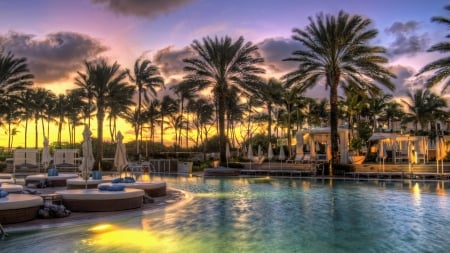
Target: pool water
<point>269,215</point>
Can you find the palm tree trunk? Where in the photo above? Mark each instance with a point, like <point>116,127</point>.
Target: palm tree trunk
<point>334,123</point>
<point>221,111</point>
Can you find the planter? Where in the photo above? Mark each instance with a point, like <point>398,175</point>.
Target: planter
<point>357,159</point>
<point>96,175</point>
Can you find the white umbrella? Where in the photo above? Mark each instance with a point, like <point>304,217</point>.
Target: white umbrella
<point>88,158</point>
<point>270,153</point>
<point>46,157</point>
<point>382,154</point>
<point>441,152</point>
<point>259,152</point>
<point>227,152</point>
<point>281,156</point>
<point>328,147</point>
<point>250,154</point>
<point>299,146</point>
<point>120,157</point>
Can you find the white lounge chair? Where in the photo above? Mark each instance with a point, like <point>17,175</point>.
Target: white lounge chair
<point>25,159</point>
<point>66,159</point>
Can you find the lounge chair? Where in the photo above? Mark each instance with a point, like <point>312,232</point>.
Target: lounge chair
<point>25,159</point>
<point>65,159</point>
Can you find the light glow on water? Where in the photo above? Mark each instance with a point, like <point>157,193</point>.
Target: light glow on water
<point>270,215</point>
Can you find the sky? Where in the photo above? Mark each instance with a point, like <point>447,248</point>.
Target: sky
<point>57,36</point>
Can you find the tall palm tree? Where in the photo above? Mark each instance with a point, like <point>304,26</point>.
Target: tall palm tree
<point>271,93</point>
<point>219,64</point>
<point>441,67</point>
<point>150,114</point>
<point>147,78</point>
<point>336,49</point>
<point>118,104</point>
<point>23,100</point>
<point>423,108</point>
<point>103,76</point>
<point>168,106</point>
<point>14,75</point>
<point>85,88</point>
<point>184,91</point>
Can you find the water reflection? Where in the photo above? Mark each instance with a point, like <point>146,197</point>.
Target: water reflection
<point>265,215</point>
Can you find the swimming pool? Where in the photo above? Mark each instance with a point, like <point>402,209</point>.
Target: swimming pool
<point>270,215</point>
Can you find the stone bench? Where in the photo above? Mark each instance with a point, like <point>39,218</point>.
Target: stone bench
<point>93,200</point>
<point>16,208</point>
<point>152,189</point>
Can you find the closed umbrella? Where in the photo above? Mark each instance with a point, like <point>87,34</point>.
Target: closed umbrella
<point>441,152</point>
<point>270,153</point>
<point>259,152</point>
<point>120,157</point>
<point>250,154</point>
<point>299,146</point>
<point>227,152</point>
<point>87,162</point>
<point>281,156</point>
<point>382,154</point>
<point>46,157</point>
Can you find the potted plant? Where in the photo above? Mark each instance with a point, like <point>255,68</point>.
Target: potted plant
<point>355,156</point>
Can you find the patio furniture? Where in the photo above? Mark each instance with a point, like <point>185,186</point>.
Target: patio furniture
<point>16,208</point>
<point>53,181</point>
<point>152,189</point>
<point>93,200</point>
<point>24,159</point>
<point>11,188</point>
<point>80,183</point>
<point>66,159</point>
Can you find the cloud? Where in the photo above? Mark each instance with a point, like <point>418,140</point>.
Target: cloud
<point>274,50</point>
<point>54,58</point>
<point>406,79</point>
<point>142,8</point>
<point>407,41</point>
<point>170,60</point>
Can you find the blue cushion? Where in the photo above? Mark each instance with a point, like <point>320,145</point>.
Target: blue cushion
<point>114,187</point>
<point>3,193</point>
<point>127,180</point>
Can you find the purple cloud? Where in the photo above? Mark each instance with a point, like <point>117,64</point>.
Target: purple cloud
<point>55,57</point>
<point>142,8</point>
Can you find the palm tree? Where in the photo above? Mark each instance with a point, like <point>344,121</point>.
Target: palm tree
<point>23,100</point>
<point>222,63</point>
<point>441,67</point>
<point>168,107</point>
<point>86,86</point>
<point>336,49</point>
<point>102,76</point>
<point>150,114</point>
<point>271,93</point>
<point>147,78</point>
<point>185,92</point>
<point>118,105</point>
<point>14,75</point>
<point>423,107</point>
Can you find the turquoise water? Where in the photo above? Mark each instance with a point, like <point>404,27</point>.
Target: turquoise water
<point>270,215</point>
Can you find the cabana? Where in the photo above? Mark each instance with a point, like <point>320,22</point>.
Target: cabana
<point>317,144</point>
<point>403,148</point>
